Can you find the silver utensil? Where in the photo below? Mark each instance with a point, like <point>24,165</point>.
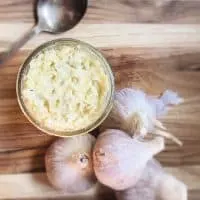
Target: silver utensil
<point>53,16</point>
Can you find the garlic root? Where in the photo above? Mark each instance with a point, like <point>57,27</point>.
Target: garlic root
<point>168,135</point>
<point>162,132</point>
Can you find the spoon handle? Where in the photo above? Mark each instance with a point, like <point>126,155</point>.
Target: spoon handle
<point>18,44</point>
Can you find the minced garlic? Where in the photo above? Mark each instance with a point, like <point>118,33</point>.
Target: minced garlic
<point>65,88</point>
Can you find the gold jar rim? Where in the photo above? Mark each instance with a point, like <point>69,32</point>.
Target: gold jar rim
<point>24,69</point>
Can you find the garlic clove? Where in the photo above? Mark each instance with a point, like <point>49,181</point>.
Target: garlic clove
<point>146,187</point>
<point>171,188</point>
<point>154,184</point>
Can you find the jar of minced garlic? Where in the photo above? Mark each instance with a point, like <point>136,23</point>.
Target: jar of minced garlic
<point>65,87</point>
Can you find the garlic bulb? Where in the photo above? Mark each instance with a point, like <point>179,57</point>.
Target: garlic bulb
<point>69,164</point>
<point>155,184</point>
<point>136,113</point>
<point>119,160</point>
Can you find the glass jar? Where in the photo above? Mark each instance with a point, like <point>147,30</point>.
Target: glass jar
<point>108,101</point>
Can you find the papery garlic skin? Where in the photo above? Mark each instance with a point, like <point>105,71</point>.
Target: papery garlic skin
<point>155,184</point>
<point>171,188</point>
<point>145,188</point>
<point>135,112</point>
<point>161,105</point>
<point>69,164</point>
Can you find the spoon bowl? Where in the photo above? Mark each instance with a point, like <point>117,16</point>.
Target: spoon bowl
<point>56,16</point>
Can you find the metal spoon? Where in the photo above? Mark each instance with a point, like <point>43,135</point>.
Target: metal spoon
<point>53,16</point>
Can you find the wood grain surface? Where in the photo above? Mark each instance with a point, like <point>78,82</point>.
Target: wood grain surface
<point>36,186</point>
<point>115,11</point>
<point>153,45</point>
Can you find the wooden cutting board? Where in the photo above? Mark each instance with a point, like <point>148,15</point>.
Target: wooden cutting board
<point>151,44</point>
